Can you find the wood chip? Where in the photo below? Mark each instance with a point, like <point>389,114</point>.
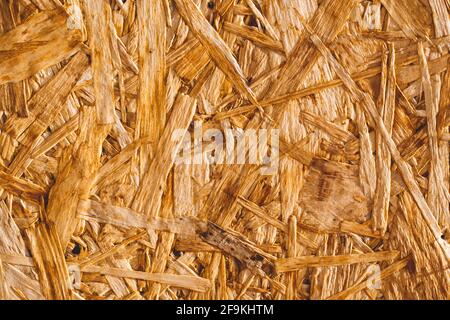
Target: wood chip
<point>203,150</point>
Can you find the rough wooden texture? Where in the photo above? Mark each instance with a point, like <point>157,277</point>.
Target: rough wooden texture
<point>123,168</point>
<point>43,40</point>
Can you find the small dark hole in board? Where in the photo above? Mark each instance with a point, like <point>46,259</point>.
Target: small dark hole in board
<point>77,249</point>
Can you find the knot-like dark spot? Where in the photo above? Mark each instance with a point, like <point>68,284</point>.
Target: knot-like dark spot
<point>205,234</point>
<point>76,249</point>
<point>176,253</point>
<point>269,269</point>
<point>411,266</point>
<point>257,257</point>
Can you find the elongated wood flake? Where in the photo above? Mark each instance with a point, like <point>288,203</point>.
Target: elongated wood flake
<point>214,44</point>
<point>40,42</point>
<point>98,19</point>
<point>148,198</point>
<point>292,264</point>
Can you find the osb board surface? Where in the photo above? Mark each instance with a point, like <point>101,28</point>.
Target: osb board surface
<point>98,97</point>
